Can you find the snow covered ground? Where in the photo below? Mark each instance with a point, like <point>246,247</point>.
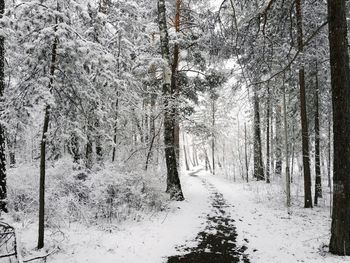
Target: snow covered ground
<point>263,225</point>
<point>149,241</point>
<point>273,236</point>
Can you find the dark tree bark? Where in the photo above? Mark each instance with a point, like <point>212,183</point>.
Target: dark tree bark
<point>303,112</point>
<point>41,229</point>
<point>318,182</point>
<point>3,189</point>
<point>173,180</point>
<point>258,163</point>
<point>339,60</point>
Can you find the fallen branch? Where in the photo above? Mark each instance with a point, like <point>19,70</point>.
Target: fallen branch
<point>41,257</point>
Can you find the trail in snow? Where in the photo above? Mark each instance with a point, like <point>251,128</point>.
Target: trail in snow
<point>217,241</point>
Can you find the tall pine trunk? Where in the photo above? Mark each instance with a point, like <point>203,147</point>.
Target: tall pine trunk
<point>339,60</point>
<point>173,180</point>
<point>303,113</point>
<point>41,229</point>
<point>3,190</point>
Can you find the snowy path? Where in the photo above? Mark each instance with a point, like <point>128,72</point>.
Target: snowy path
<point>219,222</point>
<point>217,241</point>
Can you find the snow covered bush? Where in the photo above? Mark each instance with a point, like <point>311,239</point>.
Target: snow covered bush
<point>103,195</point>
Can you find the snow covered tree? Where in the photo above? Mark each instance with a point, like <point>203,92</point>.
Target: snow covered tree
<point>173,180</point>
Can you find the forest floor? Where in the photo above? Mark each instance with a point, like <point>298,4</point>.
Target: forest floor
<point>220,221</point>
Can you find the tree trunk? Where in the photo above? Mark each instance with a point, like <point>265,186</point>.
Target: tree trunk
<point>88,152</point>
<point>318,182</point>
<point>339,60</point>
<point>116,103</point>
<point>268,137</point>
<point>279,139</point>
<point>185,153</point>
<point>174,82</point>
<point>303,113</point>
<point>3,186</point>
<point>258,163</point>
<point>173,180</point>
<point>246,153</point>
<point>207,162</point>
<point>329,152</point>
<point>286,150</point>
<point>213,136</point>
<point>98,140</point>
<point>41,229</point>
<point>74,146</point>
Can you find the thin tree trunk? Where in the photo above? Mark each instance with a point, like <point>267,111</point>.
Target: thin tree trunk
<point>149,154</point>
<point>246,153</point>
<point>213,136</point>
<point>268,138</point>
<point>173,180</point>
<point>303,113</point>
<point>99,150</point>
<point>115,131</point>
<point>286,150</point>
<point>116,104</point>
<point>340,79</point>
<point>258,163</point>
<point>41,229</point>
<point>88,150</point>
<point>329,152</point>
<point>318,182</point>
<point>194,155</point>
<point>279,139</point>
<point>292,158</point>
<point>175,84</point>
<point>3,186</point>
<point>272,148</point>
<point>207,162</point>
<point>185,153</point>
